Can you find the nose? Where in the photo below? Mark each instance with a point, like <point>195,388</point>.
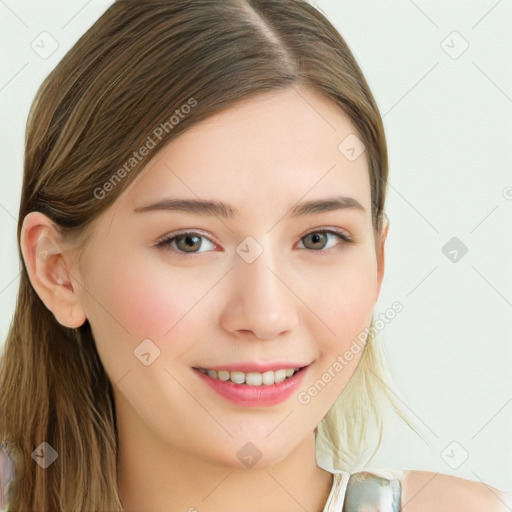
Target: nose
<point>261,302</point>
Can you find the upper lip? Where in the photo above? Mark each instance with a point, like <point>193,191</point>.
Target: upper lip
<point>254,366</point>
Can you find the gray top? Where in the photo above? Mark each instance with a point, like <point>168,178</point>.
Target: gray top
<point>379,489</point>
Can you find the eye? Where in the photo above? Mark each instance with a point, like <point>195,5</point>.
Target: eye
<point>187,242</point>
<point>319,238</point>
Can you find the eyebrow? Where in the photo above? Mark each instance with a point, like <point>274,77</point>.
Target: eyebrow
<point>220,209</point>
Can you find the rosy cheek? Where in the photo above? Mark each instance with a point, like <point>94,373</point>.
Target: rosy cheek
<point>154,306</point>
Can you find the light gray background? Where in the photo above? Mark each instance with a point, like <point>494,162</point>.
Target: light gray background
<point>448,119</point>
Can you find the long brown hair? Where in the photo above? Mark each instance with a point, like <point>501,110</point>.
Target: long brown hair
<point>142,74</point>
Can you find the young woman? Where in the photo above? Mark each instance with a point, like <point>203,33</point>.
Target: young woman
<point>202,235</point>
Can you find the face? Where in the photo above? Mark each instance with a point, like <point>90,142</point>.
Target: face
<point>169,291</point>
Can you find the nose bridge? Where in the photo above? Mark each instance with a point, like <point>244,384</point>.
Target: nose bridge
<point>265,305</point>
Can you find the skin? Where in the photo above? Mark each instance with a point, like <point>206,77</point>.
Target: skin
<point>178,439</point>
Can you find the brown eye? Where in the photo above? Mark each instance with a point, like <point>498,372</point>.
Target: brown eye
<point>191,242</point>
<point>185,243</point>
<point>317,240</point>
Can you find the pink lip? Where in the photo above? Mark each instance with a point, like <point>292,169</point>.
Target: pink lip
<point>255,396</point>
<point>255,366</point>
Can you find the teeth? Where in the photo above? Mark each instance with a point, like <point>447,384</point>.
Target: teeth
<point>237,377</point>
<point>267,378</point>
<point>223,375</point>
<point>252,378</point>
<point>279,376</point>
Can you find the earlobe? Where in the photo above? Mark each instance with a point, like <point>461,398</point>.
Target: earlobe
<point>44,256</point>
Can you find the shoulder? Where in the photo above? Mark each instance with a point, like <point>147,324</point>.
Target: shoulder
<point>424,491</point>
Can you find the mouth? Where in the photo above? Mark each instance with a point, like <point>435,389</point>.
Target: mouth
<point>252,388</point>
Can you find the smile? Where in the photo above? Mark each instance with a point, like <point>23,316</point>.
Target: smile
<point>253,389</point>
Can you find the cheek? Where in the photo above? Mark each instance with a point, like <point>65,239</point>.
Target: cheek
<point>153,303</point>
<point>343,297</point>
<point>133,298</point>
<point>344,305</point>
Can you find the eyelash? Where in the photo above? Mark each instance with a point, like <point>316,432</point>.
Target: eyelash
<point>167,240</point>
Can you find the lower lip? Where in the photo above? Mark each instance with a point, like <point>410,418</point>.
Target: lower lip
<point>255,396</point>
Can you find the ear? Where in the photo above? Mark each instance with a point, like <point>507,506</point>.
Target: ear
<point>49,269</point>
<point>380,246</point>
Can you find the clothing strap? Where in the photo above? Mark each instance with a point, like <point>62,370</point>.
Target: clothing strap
<point>367,492</point>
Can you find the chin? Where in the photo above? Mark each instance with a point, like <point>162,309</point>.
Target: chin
<point>251,454</point>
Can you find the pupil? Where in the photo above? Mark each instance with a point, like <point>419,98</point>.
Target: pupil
<point>190,241</point>
<point>317,237</point>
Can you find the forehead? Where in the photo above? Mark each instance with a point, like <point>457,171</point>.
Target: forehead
<point>276,147</point>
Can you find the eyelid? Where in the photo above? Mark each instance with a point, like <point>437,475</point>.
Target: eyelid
<point>330,229</point>
<point>190,231</point>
